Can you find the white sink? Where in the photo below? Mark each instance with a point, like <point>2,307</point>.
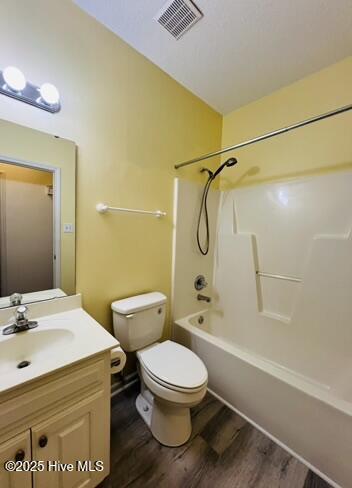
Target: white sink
<point>32,346</point>
<point>60,340</point>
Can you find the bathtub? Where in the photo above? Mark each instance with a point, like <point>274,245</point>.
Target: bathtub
<point>311,420</point>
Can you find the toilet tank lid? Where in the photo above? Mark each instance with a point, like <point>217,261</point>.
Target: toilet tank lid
<point>138,303</point>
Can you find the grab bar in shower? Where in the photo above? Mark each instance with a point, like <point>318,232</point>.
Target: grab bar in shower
<point>103,208</point>
<point>279,277</point>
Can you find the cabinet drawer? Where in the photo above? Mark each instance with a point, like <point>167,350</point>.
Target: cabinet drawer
<point>49,393</point>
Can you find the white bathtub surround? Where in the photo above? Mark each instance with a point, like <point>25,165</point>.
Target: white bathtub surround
<point>277,344</point>
<point>301,229</point>
<point>188,262</point>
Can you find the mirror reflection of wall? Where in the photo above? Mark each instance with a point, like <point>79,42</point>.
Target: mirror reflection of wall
<point>37,215</point>
<point>26,230</point>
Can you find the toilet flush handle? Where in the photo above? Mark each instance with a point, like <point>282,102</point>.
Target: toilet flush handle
<point>130,316</point>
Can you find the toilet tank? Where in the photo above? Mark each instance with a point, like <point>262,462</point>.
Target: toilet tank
<point>139,320</point>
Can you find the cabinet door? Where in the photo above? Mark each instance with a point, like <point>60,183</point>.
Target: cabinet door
<point>77,434</point>
<point>18,447</point>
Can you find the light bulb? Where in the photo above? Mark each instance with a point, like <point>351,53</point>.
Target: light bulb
<point>49,94</point>
<point>14,78</point>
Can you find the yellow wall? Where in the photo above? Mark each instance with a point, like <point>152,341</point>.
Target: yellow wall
<point>324,146</point>
<point>131,123</point>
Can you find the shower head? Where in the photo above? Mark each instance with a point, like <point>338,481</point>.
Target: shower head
<point>204,248</point>
<point>226,164</point>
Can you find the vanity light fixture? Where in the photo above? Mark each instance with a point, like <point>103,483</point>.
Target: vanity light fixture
<point>49,94</point>
<point>14,79</point>
<point>14,84</point>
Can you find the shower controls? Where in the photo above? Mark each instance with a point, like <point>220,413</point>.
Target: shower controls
<point>200,283</point>
<point>200,320</point>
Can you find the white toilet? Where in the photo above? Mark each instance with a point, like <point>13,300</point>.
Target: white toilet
<point>173,378</point>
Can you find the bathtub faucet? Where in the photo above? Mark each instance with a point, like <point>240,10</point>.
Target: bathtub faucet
<point>203,298</point>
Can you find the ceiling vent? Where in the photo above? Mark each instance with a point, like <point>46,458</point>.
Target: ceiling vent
<point>177,16</point>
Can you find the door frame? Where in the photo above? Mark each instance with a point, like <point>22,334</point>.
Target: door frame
<point>56,172</point>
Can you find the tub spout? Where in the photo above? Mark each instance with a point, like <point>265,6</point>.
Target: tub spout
<point>203,298</point>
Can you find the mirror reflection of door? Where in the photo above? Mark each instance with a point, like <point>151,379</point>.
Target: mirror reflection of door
<point>26,229</point>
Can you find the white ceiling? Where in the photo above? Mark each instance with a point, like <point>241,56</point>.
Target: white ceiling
<point>240,50</point>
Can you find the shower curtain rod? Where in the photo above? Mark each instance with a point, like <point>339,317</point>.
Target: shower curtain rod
<point>268,135</point>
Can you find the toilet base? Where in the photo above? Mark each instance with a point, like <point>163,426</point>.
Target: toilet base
<point>144,408</point>
<point>170,424</point>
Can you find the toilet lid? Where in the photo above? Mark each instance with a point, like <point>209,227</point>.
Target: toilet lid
<point>174,365</point>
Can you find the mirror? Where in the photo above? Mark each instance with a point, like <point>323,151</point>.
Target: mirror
<point>37,215</point>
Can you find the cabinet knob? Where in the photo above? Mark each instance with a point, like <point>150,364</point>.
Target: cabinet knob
<point>20,455</point>
<point>43,440</point>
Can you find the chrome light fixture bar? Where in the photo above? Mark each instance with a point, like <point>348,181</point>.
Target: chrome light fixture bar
<point>14,84</point>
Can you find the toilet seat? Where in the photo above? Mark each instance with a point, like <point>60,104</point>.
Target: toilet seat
<point>174,367</point>
<point>169,386</point>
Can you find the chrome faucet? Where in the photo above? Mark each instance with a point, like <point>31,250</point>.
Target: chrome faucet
<point>203,298</point>
<point>21,322</point>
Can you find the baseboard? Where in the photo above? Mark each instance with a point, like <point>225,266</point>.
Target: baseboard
<point>277,441</point>
<point>128,381</point>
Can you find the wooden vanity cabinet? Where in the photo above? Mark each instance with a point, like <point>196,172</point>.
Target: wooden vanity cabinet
<point>65,421</point>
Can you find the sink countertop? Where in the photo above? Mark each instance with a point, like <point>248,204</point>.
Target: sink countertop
<point>60,340</point>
